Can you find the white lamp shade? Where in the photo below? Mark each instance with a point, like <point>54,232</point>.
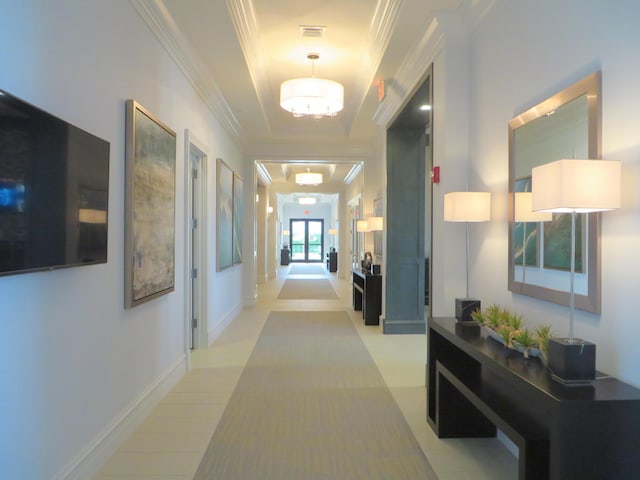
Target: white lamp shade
<point>580,186</point>
<point>311,96</point>
<point>362,226</point>
<point>467,207</point>
<point>307,201</point>
<point>308,178</point>
<point>375,224</point>
<point>523,209</point>
<point>89,215</point>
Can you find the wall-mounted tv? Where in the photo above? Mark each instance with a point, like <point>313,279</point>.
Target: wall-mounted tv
<point>54,191</point>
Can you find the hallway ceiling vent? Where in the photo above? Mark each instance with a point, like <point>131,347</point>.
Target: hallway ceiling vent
<point>312,31</point>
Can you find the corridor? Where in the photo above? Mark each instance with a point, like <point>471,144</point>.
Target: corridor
<point>171,442</point>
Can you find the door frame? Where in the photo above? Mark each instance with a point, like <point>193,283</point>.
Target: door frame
<point>195,175</point>
<point>306,238</point>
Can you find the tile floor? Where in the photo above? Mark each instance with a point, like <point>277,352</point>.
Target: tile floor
<point>169,444</point>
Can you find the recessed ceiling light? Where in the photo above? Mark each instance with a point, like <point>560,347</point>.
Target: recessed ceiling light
<point>425,108</point>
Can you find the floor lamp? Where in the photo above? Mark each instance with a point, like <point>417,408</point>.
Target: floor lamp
<point>575,186</point>
<point>523,213</point>
<point>467,207</point>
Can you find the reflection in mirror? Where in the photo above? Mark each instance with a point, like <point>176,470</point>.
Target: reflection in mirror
<point>566,125</point>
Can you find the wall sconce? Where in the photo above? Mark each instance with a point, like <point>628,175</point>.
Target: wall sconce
<point>269,209</point>
<point>333,231</point>
<point>575,186</point>
<point>467,207</point>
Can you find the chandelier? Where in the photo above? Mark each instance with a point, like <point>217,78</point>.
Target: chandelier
<point>308,178</point>
<point>307,201</point>
<point>311,96</point>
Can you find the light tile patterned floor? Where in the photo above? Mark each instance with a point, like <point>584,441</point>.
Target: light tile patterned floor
<point>169,444</point>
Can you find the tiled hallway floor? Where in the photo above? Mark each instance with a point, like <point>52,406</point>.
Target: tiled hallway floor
<point>169,444</point>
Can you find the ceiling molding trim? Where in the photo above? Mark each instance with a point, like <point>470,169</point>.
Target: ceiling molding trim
<point>248,33</point>
<point>477,10</point>
<point>381,28</point>
<point>263,174</point>
<point>380,31</point>
<point>157,17</point>
<point>412,70</point>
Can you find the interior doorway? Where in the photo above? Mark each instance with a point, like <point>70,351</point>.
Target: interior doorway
<point>196,241</point>
<point>307,239</point>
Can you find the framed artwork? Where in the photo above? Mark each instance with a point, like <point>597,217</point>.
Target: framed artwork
<point>224,215</point>
<point>149,206</point>
<point>237,219</point>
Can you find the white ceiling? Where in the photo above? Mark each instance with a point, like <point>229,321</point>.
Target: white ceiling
<point>238,52</point>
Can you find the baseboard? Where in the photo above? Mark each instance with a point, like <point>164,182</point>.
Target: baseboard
<point>403,327</point>
<point>216,331</point>
<point>91,459</point>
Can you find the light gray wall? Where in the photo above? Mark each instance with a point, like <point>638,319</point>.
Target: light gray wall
<point>74,361</point>
<point>521,53</point>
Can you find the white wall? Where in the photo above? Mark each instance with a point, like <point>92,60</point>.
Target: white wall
<point>521,53</point>
<point>73,359</point>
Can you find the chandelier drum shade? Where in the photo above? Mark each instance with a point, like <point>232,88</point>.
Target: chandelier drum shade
<point>308,178</point>
<point>311,96</point>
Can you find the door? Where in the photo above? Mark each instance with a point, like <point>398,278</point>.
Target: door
<point>307,239</point>
<point>196,297</point>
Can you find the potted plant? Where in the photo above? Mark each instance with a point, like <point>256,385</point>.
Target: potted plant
<point>526,339</point>
<point>543,334</point>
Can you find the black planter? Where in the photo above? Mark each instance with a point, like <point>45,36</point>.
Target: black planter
<point>572,361</point>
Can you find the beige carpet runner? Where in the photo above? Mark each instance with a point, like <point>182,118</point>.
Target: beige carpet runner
<point>307,289</point>
<point>310,405</point>
<point>306,269</point>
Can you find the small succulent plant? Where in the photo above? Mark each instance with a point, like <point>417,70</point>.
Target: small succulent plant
<point>526,339</point>
<point>542,334</point>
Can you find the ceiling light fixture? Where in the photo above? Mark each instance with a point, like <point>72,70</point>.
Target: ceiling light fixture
<point>311,96</point>
<point>307,201</point>
<point>308,178</point>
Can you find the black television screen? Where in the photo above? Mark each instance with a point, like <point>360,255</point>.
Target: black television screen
<point>54,191</point>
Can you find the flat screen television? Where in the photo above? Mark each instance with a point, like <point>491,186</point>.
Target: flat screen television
<point>54,191</point>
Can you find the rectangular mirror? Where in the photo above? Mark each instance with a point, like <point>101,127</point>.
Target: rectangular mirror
<point>566,125</point>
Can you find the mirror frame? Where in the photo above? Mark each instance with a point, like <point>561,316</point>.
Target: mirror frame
<point>591,87</point>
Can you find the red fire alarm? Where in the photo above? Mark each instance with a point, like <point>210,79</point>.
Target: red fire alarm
<point>435,174</point>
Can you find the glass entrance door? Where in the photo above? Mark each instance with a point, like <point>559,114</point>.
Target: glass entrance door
<point>307,240</point>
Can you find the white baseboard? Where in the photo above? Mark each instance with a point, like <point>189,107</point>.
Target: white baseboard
<point>91,459</point>
<point>217,330</point>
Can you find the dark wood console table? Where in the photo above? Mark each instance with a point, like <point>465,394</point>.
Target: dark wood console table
<point>367,296</point>
<point>563,433</point>
<point>332,261</point>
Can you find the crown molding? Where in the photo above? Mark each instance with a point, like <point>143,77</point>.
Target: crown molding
<point>157,17</point>
<point>246,26</point>
<point>380,31</point>
<point>412,70</point>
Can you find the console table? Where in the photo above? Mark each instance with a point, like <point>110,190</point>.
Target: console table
<point>332,261</point>
<point>476,385</point>
<point>285,256</point>
<point>367,296</point>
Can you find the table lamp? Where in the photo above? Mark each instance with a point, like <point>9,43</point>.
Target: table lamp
<point>467,207</point>
<point>574,186</point>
